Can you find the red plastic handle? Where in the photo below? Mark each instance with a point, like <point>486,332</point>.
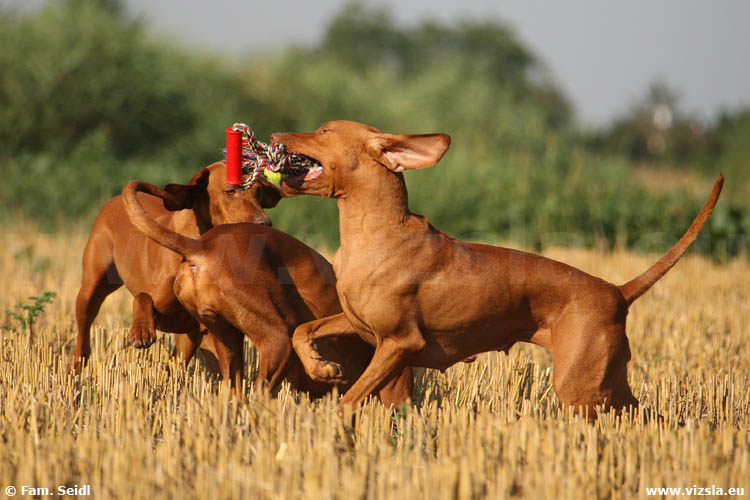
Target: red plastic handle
<point>234,156</point>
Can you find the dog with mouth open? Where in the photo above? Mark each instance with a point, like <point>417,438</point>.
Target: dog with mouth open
<point>423,298</point>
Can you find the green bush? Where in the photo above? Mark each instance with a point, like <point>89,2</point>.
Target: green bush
<point>89,100</point>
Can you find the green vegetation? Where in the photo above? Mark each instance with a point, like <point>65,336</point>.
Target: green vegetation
<point>657,132</point>
<point>88,101</point>
<point>28,312</point>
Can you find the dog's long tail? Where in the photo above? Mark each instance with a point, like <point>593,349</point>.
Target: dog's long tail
<point>176,242</point>
<point>638,286</point>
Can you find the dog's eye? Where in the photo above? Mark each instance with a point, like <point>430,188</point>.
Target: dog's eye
<point>324,131</point>
<point>230,192</point>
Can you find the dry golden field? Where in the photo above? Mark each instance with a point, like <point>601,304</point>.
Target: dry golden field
<point>489,429</point>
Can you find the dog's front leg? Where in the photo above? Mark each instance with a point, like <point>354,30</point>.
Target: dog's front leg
<point>145,318</point>
<point>303,341</point>
<point>391,355</point>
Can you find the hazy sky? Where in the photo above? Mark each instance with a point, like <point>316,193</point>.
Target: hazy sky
<point>603,53</point>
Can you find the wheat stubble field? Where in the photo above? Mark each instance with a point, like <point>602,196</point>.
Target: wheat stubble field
<point>493,428</point>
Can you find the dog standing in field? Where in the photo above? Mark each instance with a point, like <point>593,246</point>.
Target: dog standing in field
<point>426,299</point>
<point>249,280</point>
<point>117,253</point>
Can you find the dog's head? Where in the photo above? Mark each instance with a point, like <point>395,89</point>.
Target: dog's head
<point>216,202</point>
<point>350,154</point>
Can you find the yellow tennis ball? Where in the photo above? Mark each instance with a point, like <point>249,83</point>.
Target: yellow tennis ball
<point>273,177</point>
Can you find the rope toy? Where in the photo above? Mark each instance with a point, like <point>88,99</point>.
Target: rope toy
<point>247,156</point>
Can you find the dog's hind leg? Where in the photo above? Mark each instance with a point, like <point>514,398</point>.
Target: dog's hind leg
<point>229,348</point>
<point>186,344</point>
<point>275,358</point>
<point>590,365</point>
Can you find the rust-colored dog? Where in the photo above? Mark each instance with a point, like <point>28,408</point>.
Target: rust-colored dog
<point>253,280</point>
<point>118,253</point>
<point>426,299</point>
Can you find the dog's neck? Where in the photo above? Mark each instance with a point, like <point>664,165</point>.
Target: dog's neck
<point>377,204</point>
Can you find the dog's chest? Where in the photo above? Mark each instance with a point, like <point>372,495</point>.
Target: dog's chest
<point>360,271</point>
<point>370,289</point>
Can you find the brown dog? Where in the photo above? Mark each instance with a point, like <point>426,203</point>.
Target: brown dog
<point>117,253</point>
<point>426,299</point>
<point>253,280</point>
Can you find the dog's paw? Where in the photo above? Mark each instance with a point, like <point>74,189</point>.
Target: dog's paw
<point>316,367</point>
<point>143,334</point>
<point>77,362</point>
<point>326,371</point>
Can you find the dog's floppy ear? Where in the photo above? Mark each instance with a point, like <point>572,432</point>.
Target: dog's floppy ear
<point>409,151</point>
<point>185,195</point>
<point>268,196</point>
